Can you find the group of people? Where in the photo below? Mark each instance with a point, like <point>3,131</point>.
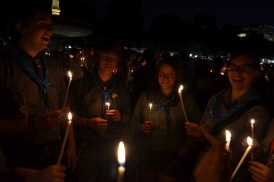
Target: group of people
<point>166,140</point>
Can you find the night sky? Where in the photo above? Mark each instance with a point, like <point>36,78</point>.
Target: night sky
<point>237,12</point>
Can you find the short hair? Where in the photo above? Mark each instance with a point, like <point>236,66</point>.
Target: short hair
<point>107,46</point>
<point>24,11</point>
<point>249,53</point>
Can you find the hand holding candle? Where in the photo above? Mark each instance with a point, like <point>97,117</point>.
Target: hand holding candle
<point>121,161</point>
<point>66,97</point>
<point>181,100</point>
<point>249,141</point>
<point>228,139</point>
<point>65,138</point>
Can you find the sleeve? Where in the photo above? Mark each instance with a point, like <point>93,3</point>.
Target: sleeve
<point>136,119</point>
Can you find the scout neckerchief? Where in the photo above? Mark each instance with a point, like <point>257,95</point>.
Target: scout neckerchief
<point>164,107</point>
<point>224,119</point>
<point>106,94</point>
<point>43,83</point>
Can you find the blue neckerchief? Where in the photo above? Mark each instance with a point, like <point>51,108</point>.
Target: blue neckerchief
<point>106,94</point>
<point>164,107</point>
<point>42,83</point>
<point>231,111</point>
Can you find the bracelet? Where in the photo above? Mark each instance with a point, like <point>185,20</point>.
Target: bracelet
<point>32,124</point>
<point>87,122</point>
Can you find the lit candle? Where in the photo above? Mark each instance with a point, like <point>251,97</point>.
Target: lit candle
<point>121,161</point>
<point>150,106</point>
<point>65,139</point>
<point>252,135</point>
<point>66,97</point>
<point>228,139</point>
<point>108,104</point>
<point>181,100</point>
<point>249,142</point>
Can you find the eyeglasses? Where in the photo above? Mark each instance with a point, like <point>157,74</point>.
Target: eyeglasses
<point>243,68</point>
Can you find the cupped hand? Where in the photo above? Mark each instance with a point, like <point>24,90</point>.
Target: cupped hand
<point>98,124</point>
<point>114,115</point>
<point>193,129</point>
<point>147,127</point>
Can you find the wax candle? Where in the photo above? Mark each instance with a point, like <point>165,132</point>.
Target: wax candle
<point>65,138</point>
<point>228,139</point>
<point>252,135</point>
<point>121,161</point>
<point>66,97</point>
<point>150,106</point>
<point>108,104</point>
<point>249,142</point>
<point>181,100</point>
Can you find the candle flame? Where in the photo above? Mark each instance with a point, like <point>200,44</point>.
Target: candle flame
<point>107,103</point>
<point>121,154</point>
<point>252,121</point>
<point>228,135</point>
<point>69,74</point>
<point>150,106</point>
<point>69,116</point>
<point>181,88</point>
<point>249,141</point>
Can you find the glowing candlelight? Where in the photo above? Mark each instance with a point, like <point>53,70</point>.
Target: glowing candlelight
<point>121,161</point>
<point>108,104</point>
<point>66,97</point>
<point>252,135</point>
<point>250,143</point>
<point>228,139</point>
<point>65,139</point>
<point>150,106</point>
<point>181,100</point>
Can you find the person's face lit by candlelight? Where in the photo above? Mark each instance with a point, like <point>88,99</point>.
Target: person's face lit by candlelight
<point>166,77</point>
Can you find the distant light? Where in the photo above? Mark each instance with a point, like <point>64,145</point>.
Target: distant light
<point>69,47</point>
<point>190,55</point>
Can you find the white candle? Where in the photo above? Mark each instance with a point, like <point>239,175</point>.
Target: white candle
<point>121,161</point>
<point>65,138</point>
<point>252,135</point>
<point>150,106</point>
<point>228,139</point>
<point>181,100</point>
<point>249,141</point>
<point>66,97</point>
<point>108,104</point>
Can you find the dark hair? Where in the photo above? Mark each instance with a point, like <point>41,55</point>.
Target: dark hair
<point>24,11</point>
<point>107,46</point>
<point>249,53</point>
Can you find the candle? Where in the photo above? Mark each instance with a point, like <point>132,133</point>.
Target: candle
<point>65,138</point>
<point>249,141</point>
<point>150,106</point>
<point>121,161</point>
<point>70,78</point>
<point>181,100</point>
<point>228,139</point>
<point>252,135</point>
<point>108,104</point>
